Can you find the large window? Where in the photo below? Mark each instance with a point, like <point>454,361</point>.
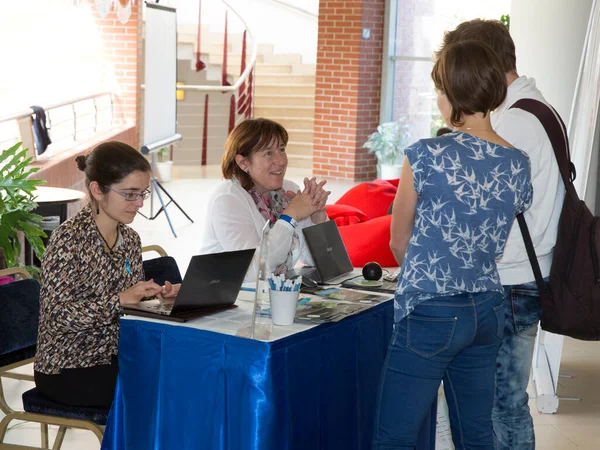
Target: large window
<point>51,51</point>
<point>416,31</point>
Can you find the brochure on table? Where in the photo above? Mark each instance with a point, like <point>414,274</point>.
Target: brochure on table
<point>325,305</point>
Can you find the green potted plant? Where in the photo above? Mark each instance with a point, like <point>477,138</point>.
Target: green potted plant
<point>164,166</point>
<point>17,203</point>
<point>388,144</point>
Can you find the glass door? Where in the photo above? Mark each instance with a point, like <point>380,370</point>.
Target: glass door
<point>414,32</point>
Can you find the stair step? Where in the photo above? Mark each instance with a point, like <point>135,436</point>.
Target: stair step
<point>191,36</point>
<point>194,131</point>
<point>233,59</point>
<point>303,136</point>
<point>273,112</point>
<point>283,78</point>
<point>265,49</point>
<point>300,161</point>
<point>304,69</point>
<point>273,68</point>
<point>195,157</point>
<point>234,66</point>
<point>286,100</point>
<point>193,108</point>
<point>198,118</point>
<point>218,48</point>
<point>299,148</point>
<point>289,123</point>
<point>193,151</point>
<point>291,88</point>
<point>283,58</point>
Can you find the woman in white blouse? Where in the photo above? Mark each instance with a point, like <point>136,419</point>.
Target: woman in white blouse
<point>254,191</point>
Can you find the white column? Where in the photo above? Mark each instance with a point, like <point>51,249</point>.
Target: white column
<point>549,37</point>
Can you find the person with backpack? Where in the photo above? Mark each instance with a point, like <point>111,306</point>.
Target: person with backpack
<point>513,424</point>
<point>453,211</point>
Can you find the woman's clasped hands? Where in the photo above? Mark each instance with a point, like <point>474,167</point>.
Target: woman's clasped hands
<point>309,202</point>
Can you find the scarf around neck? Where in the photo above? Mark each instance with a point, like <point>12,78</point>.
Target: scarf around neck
<point>271,207</point>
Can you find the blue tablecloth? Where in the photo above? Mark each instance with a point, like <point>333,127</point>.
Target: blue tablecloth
<point>183,388</point>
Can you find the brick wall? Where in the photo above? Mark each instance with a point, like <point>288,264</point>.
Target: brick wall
<point>121,55</point>
<point>348,84</point>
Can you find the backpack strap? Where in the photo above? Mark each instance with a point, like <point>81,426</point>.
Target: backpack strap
<point>557,133</point>
<point>535,265</point>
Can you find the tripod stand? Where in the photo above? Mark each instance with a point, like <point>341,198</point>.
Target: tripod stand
<point>155,186</point>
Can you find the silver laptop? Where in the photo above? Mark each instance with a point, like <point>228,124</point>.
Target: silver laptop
<point>332,263</point>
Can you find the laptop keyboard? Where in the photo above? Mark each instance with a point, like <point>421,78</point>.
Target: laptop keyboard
<point>161,309</point>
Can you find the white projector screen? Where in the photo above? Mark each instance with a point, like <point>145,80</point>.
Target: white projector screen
<point>160,73</point>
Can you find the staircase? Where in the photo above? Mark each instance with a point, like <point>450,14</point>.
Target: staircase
<point>284,92</point>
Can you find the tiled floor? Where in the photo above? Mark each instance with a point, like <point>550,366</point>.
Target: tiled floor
<point>575,426</point>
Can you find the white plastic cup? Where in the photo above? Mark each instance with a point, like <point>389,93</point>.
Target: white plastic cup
<point>283,306</point>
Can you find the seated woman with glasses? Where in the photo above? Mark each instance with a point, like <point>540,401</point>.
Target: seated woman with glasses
<point>92,266</point>
<point>255,191</point>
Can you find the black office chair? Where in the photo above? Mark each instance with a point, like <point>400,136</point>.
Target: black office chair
<point>20,312</point>
<point>161,269</point>
<point>19,303</point>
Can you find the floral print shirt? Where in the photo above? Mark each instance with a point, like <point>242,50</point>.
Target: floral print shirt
<point>79,300</point>
<point>469,191</point>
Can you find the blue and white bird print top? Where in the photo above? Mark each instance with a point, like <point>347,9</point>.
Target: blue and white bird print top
<point>469,191</point>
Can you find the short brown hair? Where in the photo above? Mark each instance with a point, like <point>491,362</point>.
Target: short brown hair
<point>491,32</point>
<point>471,77</point>
<point>248,137</point>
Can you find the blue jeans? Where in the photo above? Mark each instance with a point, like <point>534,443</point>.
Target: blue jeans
<point>454,339</point>
<point>513,425</point>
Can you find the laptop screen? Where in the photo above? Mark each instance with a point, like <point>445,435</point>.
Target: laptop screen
<point>213,280</point>
<point>328,250</point>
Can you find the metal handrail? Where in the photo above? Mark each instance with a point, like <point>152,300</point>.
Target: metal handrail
<point>245,74</point>
<point>28,112</point>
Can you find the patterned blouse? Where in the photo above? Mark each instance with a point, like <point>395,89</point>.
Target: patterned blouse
<point>79,300</point>
<point>469,191</point>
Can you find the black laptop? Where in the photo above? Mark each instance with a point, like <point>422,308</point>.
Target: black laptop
<point>212,282</point>
<point>332,263</point>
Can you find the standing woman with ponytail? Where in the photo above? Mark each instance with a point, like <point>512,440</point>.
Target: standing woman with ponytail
<point>93,266</point>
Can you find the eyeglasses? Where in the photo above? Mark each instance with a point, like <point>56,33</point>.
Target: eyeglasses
<point>132,196</point>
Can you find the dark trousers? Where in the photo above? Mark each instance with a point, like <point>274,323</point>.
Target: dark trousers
<point>87,386</point>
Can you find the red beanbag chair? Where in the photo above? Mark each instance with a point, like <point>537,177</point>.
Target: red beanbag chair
<point>372,198</point>
<point>345,215</point>
<point>395,182</point>
<point>369,241</point>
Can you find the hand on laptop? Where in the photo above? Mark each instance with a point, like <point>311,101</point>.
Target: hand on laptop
<point>138,291</point>
<point>169,292</point>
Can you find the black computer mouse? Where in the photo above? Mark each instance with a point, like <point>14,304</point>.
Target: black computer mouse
<point>372,271</point>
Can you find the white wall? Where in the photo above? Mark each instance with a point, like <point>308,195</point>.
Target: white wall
<point>50,52</point>
<point>549,36</point>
